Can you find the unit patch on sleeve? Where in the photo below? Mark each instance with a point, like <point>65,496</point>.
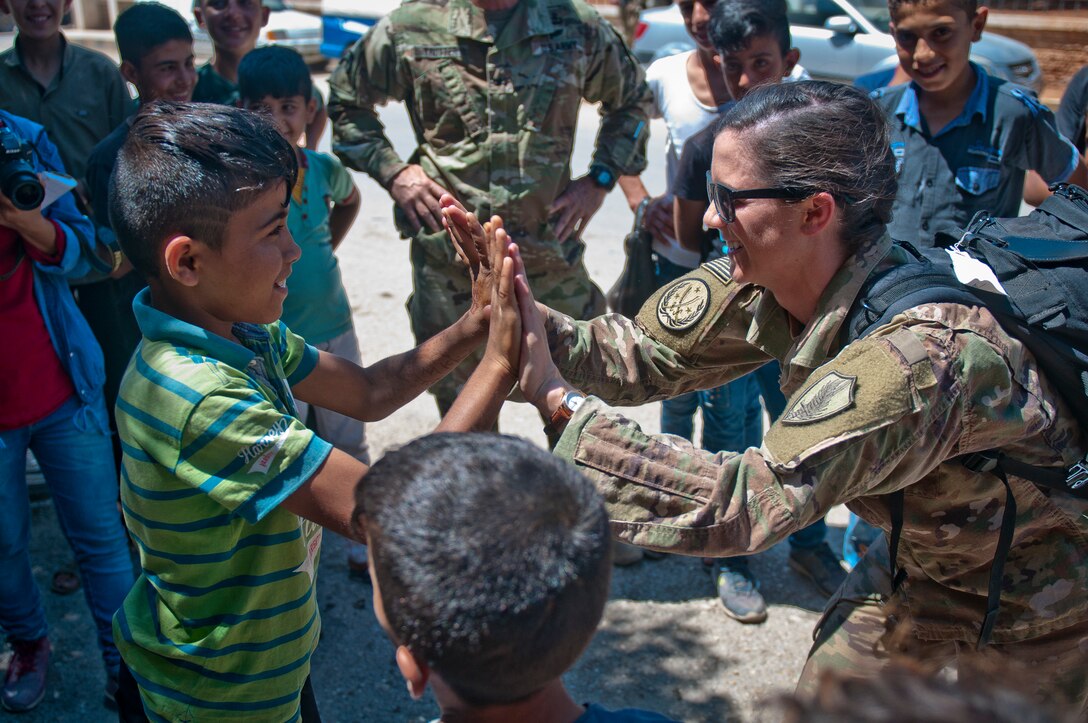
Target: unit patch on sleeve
<point>832,394</point>
<point>683,304</point>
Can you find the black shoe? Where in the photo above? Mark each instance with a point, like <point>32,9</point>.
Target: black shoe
<point>24,684</point>
<point>820,565</point>
<point>739,592</point>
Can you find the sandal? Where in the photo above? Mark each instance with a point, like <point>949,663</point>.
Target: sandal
<point>65,582</point>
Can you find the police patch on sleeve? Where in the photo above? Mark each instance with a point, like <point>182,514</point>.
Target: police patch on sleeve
<point>683,304</point>
<point>832,394</point>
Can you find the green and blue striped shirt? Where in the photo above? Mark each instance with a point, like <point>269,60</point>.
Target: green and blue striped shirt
<point>223,619</point>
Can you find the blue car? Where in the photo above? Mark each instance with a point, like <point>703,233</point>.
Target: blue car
<point>345,21</point>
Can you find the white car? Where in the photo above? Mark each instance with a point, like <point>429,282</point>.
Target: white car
<point>840,40</point>
<point>288,27</point>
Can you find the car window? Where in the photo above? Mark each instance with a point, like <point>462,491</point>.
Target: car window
<point>875,11</point>
<point>813,13</point>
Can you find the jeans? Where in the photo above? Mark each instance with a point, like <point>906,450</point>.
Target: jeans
<point>78,467</point>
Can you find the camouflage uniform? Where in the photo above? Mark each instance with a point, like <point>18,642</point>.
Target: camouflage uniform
<point>887,413</point>
<point>495,124</point>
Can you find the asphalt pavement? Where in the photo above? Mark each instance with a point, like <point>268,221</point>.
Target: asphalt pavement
<point>665,643</point>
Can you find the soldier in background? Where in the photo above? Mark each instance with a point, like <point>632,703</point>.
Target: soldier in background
<point>492,89</point>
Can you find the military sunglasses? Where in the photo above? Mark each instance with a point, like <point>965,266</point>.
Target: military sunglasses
<point>724,198</point>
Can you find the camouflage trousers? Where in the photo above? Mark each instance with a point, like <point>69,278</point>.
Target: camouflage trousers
<point>854,637</point>
<point>441,293</point>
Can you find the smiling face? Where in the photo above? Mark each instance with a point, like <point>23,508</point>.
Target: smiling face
<point>933,41</point>
<point>765,241</point>
<point>36,19</point>
<point>245,279</point>
<point>166,72</point>
<point>290,115</point>
<point>759,63</point>
<point>232,24</point>
<point>696,15</point>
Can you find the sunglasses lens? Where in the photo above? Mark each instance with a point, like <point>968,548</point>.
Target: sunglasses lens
<point>722,202</point>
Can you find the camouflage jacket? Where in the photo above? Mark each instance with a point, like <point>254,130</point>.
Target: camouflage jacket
<point>886,413</point>
<point>494,119</point>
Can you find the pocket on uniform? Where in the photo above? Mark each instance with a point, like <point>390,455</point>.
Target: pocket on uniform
<point>977,181</point>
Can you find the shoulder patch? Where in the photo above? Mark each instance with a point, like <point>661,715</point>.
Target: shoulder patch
<point>683,304</point>
<point>866,388</point>
<point>830,395</point>
<point>721,268</point>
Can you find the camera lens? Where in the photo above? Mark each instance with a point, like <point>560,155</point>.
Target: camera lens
<point>24,189</point>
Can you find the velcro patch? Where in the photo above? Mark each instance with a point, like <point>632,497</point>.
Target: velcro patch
<point>678,315</point>
<point>420,52</point>
<point>863,389</point>
<point>683,304</point>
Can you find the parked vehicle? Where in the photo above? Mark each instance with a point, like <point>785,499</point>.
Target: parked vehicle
<point>840,40</point>
<point>345,21</point>
<point>286,26</point>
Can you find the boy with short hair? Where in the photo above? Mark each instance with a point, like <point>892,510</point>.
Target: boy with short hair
<point>494,632</point>
<point>234,26</point>
<point>324,202</point>
<point>156,49</point>
<point>225,492</point>
<point>753,40</point>
<point>962,138</point>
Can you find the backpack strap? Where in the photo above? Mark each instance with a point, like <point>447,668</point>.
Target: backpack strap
<point>895,509</point>
<point>992,461</point>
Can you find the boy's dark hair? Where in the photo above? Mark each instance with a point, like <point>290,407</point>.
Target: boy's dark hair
<point>185,168</point>
<point>493,559</point>
<point>733,24</point>
<point>275,71</point>
<point>820,136</point>
<point>145,26</point>
<point>968,6</point>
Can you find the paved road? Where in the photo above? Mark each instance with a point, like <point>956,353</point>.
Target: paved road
<point>665,644</point>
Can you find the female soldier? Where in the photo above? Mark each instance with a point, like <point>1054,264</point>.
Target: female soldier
<point>802,185</point>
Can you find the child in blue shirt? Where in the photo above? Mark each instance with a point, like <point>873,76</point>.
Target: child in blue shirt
<point>324,203</point>
<point>963,140</point>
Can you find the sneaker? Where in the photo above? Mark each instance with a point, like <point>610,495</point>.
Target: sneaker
<point>24,684</point>
<point>739,592</point>
<point>820,565</point>
<point>624,554</point>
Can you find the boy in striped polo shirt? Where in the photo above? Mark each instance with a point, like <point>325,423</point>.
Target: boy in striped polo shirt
<point>224,491</point>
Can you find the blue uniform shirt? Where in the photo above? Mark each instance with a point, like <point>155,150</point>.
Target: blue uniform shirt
<point>976,162</point>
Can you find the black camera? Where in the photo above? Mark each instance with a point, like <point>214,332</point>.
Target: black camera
<point>18,181</point>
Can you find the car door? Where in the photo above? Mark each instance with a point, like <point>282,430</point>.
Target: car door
<point>824,54</point>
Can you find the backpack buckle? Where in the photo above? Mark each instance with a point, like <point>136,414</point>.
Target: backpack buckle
<point>1078,475</point>
<point>982,461</point>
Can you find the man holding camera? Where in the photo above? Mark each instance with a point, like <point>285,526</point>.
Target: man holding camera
<point>50,402</point>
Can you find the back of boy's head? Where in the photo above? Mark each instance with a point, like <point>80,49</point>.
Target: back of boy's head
<point>273,71</point>
<point>897,7</point>
<point>492,557</point>
<point>185,168</point>
<point>145,26</point>
<point>733,24</point>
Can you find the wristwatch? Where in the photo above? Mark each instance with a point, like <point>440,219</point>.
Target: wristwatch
<point>602,176</point>
<point>566,409</point>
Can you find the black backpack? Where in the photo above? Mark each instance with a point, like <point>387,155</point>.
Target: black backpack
<point>1041,261</point>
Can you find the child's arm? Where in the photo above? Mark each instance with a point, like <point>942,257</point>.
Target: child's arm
<point>343,215</point>
<point>328,497</point>
<point>477,406</point>
<point>376,391</point>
